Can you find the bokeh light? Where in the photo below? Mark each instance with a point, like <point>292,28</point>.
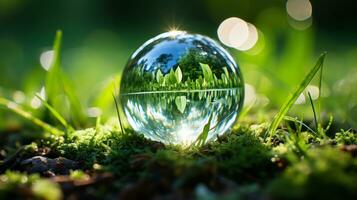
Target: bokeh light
<point>250,95</point>
<point>300,25</point>
<point>233,32</point>
<point>301,99</point>
<point>314,91</point>
<point>37,102</point>
<point>46,59</point>
<point>299,10</point>
<point>94,112</point>
<point>237,33</point>
<point>251,40</point>
<point>19,97</point>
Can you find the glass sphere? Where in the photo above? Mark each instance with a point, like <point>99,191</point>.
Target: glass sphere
<point>181,88</point>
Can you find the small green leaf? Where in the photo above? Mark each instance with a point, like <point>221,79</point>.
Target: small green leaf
<point>224,79</point>
<point>163,103</point>
<point>180,102</point>
<point>159,76</point>
<point>207,72</point>
<point>171,77</point>
<point>215,78</point>
<point>178,74</point>
<point>226,71</point>
<point>200,95</point>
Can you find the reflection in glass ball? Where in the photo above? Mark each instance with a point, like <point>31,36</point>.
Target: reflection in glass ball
<point>181,88</point>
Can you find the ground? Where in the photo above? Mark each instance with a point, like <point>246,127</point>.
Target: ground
<point>104,163</point>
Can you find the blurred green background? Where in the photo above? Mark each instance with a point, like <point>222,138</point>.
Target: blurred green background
<point>99,36</point>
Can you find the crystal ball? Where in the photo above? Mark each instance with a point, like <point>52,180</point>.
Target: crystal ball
<point>180,88</point>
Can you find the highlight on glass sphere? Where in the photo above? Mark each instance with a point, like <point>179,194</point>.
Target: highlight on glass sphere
<point>180,88</point>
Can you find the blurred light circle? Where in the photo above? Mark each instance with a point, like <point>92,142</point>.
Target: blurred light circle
<point>300,25</point>
<point>233,32</point>
<point>46,59</point>
<point>314,91</point>
<point>299,10</point>
<point>300,99</point>
<point>19,97</point>
<point>250,95</point>
<point>94,112</point>
<point>36,102</point>
<point>251,40</point>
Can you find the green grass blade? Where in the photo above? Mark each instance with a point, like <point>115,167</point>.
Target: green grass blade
<point>118,113</point>
<point>313,110</point>
<point>201,139</point>
<point>54,112</point>
<point>77,110</point>
<point>319,120</point>
<point>53,84</point>
<point>292,97</point>
<point>57,84</point>
<point>104,99</point>
<point>12,106</point>
<point>291,119</point>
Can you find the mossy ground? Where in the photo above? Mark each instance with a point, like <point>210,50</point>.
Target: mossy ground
<point>103,163</point>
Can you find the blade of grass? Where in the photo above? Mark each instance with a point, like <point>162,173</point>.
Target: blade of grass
<point>56,114</point>
<point>57,84</point>
<point>104,99</point>
<point>201,139</point>
<point>319,97</point>
<point>77,110</point>
<point>313,111</point>
<point>117,104</point>
<point>12,106</point>
<point>288,118</point>
<point>118,113</point>
<point>292,97</point>
<point>53,84</point>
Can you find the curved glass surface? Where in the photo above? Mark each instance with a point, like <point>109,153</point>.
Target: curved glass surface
<point>176,84</point>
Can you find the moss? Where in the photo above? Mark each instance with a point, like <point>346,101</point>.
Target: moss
<point>237,165</point>
<point>325,173</point>
<point>21,186</point>
<point>346,137</point>
<point>243,157</point>
<point>104,146</point>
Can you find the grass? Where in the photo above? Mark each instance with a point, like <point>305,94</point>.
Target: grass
<point>284,159</point>
<point>293,97</point>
